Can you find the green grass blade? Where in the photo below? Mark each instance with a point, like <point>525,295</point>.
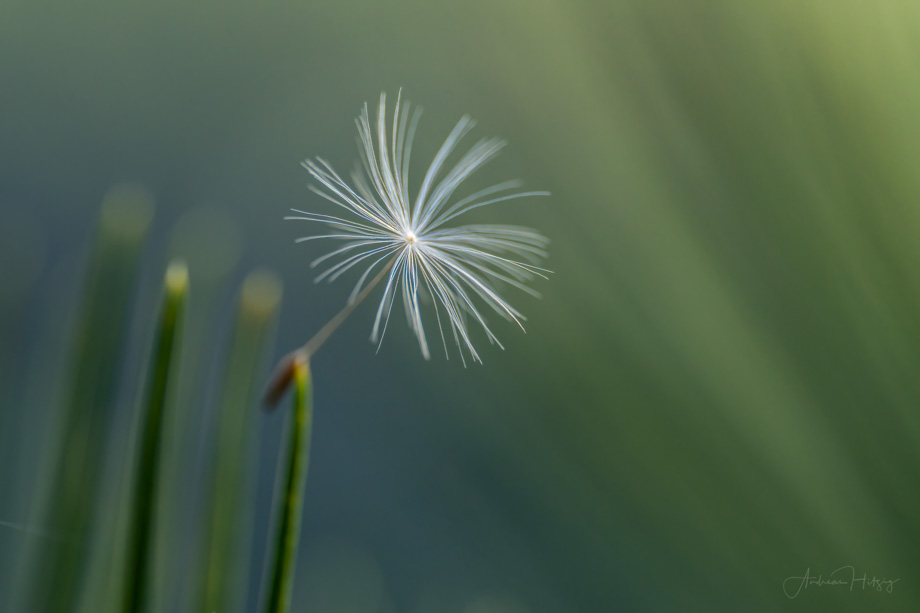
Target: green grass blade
<point>289,501</point>
<point>229,531</point>
<point>162,369</point>
<point>72,493</point>
<point>209,240</point>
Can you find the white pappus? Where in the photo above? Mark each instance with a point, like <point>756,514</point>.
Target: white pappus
<point>407,242</point>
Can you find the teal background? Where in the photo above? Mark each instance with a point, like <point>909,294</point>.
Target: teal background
<point>719,388</point>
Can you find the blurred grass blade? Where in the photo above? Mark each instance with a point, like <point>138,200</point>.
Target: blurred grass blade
<point>230,515</point>
<point>289,500</point>
<point>71,495</point>
<point>209,239</point>
<point>144,504</point>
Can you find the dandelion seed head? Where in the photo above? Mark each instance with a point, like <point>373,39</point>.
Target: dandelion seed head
<point>411,239</point>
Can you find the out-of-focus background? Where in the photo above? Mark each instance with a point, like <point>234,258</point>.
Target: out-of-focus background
<point>719,389</point>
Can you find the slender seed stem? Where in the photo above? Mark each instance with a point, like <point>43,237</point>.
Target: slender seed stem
<point>284,371</point>
<point>313,345</point>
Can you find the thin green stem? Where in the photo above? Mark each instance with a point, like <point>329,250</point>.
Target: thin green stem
<point>139,559</point>
<point>229,510</point>
<point>71,501</point>
<point>289,501</point>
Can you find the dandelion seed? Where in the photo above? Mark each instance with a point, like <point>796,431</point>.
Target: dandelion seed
<point>410,245</point>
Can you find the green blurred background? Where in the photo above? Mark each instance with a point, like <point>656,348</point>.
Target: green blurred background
<point>720,386</point>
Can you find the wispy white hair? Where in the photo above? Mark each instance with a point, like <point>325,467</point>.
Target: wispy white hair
<point>384,230</point>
